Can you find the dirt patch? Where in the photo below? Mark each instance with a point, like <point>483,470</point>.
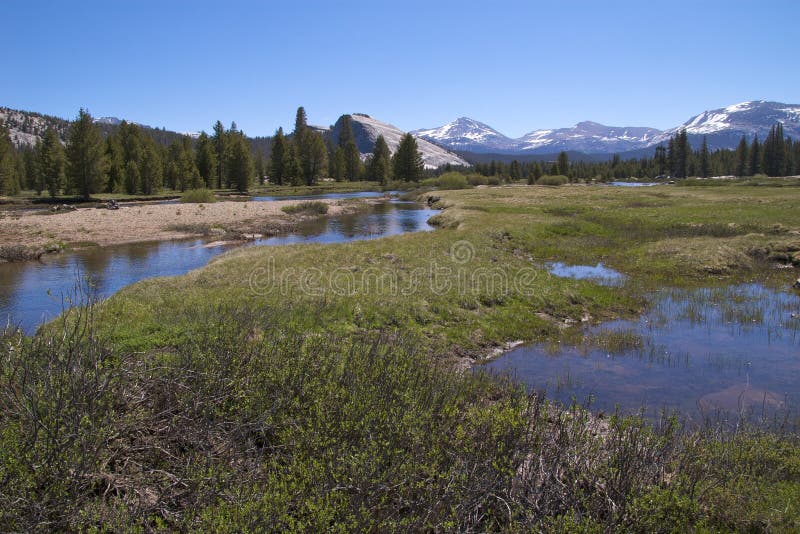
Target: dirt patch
<point>150,222</point>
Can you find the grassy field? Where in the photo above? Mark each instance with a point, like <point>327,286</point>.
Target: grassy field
<point>312,387</point>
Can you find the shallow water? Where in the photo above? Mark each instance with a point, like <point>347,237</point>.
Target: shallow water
<point>633,184</point>
<point>599,273</point>
<point>33,292</point>
<point>705,353</point>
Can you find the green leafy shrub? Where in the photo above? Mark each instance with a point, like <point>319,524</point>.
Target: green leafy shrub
<point>198,196</point>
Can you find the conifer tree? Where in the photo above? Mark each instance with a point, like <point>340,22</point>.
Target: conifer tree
<point>563,164</point>
<point>278,158</point>
<point>9,183</point>
<point>219,139</point>
<point>755,157</point>
<point>380,164</point>
<point>705,162</point>
<point>514,171</point>
<point>151,168</point>
<point>51,162</point>
<point>407,162</point>
<point>206,160</point>
<point>314,156</point>
<point>337,166</point>
<point>347,141</point>
<point>239,164</point>
<point>115,163</point>
<point>85,156</point>
<point>742,153</point>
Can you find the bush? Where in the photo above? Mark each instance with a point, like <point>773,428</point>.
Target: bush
<point>477,179</point>
<point>453,180</point>
<point>314,207</point>
<point>199,196</point>
<point>493,180</point>
<point>552,180</point>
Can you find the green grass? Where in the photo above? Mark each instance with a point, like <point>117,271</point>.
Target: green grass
<point>310,386</point>
<point>317,189</point>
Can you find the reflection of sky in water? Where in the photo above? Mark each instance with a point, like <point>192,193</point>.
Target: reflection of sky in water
<point>31,292</point>
<point>599,273</point>
<point>707,348</point>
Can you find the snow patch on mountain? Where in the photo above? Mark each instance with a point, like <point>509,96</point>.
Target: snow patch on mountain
<point>467,134</point>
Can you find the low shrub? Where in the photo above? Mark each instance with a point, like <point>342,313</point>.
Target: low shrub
<point>314,207</point>
<point>477,179</point>
<point>555,180</point>
<point>198,196</point>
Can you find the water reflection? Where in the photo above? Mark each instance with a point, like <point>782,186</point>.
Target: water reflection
<point>700,351</point>
<point>32,292</point>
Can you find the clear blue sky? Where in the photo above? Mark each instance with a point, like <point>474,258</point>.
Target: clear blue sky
<point>517,66</point>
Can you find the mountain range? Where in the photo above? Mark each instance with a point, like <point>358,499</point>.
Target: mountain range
<point>723,128</point>
<point>468,140</point>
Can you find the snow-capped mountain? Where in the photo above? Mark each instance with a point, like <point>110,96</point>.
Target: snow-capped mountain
<point>588,137</point>
<point>112,121</point>
<point>724,127</point>
<point>366,131</point>
<point>468,135</point>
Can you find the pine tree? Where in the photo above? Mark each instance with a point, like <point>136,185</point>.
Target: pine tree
<point>380,164</point>
<point>407,161</point>
<point>9,183</point>
<point>563,164</point>
<point>85,156</point>
<point>514,171</point>
<point>535,173</point>
<point>705,162</point>
<point>151,168</point>
<point>260,167</point>
<point>300,122</point>
<point>347,141</point>
<point>133,178</point>
<point>51,162</point>
<point>314,159</point>
<point>206,159</point>
<point>115,163</point>
<point>239,164</point>
<point>190,174</point>
<point>220,141</point>
<point>337,167</point>
<point>742,153</point>
<point>661,159</point>
<point>278,159</point>
<point>755,157</point>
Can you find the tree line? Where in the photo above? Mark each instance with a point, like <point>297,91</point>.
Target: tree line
<point>132,160</point>
<point>777,155</point>
<point>128,160</point>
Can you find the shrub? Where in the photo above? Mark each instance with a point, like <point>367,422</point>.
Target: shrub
<point>477,179</point>
<point>493,180</point>
<point>552,180</point>
<point>198,196</point>
<point>453,180</point>
<point>314,207</point>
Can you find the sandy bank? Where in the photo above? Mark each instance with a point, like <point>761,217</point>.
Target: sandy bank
<point>149,222</point>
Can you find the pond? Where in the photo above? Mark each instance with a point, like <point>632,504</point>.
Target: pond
<point>33,292</point>
<point>706,353</point>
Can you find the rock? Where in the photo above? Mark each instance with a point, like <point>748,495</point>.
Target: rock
<point>796,284</point>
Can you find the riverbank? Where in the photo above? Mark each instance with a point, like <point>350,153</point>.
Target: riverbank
<point>45,231</point>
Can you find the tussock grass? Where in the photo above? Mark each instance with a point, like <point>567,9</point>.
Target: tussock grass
<point>314,207</point>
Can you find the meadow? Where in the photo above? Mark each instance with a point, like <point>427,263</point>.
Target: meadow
<point>326,387</point>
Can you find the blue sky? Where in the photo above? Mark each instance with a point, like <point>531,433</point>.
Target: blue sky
<point>517,66</point>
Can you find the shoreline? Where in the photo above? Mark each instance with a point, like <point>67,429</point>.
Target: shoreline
<point>28,235</point>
